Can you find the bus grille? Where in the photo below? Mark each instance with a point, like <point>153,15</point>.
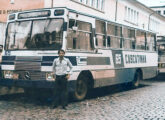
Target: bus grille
<point>28,58</point>
<point>28,63</point>
<point>36,66</point>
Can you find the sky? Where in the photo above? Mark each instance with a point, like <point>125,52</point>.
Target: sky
<point>153,2</point>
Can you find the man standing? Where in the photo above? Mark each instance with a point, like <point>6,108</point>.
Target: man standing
<point>60,91</point>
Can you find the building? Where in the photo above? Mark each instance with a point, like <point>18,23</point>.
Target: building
<point>159,9</point>
<point>9,6</point>
<point>129,12</point>
<point>2,32</point>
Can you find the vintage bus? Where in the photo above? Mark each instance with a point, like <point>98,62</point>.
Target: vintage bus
<point>102,52</point>
<point>161,54</point>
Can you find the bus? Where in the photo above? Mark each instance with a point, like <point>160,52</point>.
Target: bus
<point>161,54</point>
<point>102,52</point>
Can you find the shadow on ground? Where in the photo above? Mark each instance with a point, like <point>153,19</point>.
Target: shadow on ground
<point>110,90</point>
<point>46,99</point>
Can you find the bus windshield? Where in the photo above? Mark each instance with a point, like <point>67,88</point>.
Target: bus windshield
<point>37,34</point>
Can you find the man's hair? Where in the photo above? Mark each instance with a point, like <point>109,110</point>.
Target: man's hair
<point>61,50</point>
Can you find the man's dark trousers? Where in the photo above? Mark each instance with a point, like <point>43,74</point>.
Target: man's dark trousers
<point>60,91</point>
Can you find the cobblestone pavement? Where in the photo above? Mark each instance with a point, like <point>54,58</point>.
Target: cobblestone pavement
<point>113,103</point>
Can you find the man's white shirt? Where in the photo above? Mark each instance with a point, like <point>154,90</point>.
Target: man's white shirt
<point>61,67</point>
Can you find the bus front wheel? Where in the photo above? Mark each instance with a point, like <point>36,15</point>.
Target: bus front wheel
<point>81,89</point>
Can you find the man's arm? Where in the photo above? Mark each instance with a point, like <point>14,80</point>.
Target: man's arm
<point>70,67</point>
<point>54,66</point>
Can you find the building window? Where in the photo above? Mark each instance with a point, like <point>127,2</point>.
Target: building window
<point>101,4</point>
<point>85,1</point>
<point>92,2</point>
<point>158,11</point>
<point>154,25</point>
<point>11,1</point>
<point>131,15</point>
<point>98,4</point>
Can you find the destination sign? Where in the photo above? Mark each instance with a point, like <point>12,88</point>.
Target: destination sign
<point>34,14</point>
<point>135,58</point>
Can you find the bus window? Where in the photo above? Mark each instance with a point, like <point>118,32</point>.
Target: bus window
<point>80,38</point>
<point>140,40</point>
<point>42,34</point>
<point>72,23</point>
<point>108,41</point>
<point>128,38</point>
<point>17,34</point>
<point>100,34</point>
<point>114,36</point>
<point>47,34</point>
<point>150,43</point>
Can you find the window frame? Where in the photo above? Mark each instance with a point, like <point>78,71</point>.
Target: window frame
<point>104,44</point>
<point>114,35</point>
<point>91,44</point>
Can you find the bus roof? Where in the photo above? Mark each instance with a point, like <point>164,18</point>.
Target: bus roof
<point>45,12</point>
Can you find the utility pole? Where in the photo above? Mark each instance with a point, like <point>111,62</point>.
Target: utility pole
<point>52,3</point>
<point>116,10</point>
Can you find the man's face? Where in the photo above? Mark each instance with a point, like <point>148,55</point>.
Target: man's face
<point>61,54</point>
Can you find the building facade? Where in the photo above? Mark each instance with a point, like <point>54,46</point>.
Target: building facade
<point>159,9</point>
<point>128,12</point>
<point>9,6</point>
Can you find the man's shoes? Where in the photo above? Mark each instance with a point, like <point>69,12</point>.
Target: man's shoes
<point>54,106</point>
<point>64,107</point>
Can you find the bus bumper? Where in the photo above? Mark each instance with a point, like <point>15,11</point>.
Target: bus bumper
<point>35,84</point>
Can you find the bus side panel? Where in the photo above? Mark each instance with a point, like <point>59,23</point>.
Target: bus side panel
<point>117,76</point>
<point>149,72</point>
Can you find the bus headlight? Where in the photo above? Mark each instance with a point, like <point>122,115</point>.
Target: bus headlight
<point>50,76</point>
<point>163,65</point>
<point>10,75</point>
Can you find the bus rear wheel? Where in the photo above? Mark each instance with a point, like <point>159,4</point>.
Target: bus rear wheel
<point>81,89</point>
<point>137,79</point>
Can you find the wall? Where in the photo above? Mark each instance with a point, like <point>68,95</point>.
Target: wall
<point>109,12</point>
<point>162,9</point>
<point>2,32</point>
<point>6,7</point>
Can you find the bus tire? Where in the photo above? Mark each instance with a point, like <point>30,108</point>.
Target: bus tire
<point>81,88</point>
<point>137,79</point>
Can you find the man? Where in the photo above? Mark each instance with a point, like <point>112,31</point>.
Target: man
<point>60,67</point>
